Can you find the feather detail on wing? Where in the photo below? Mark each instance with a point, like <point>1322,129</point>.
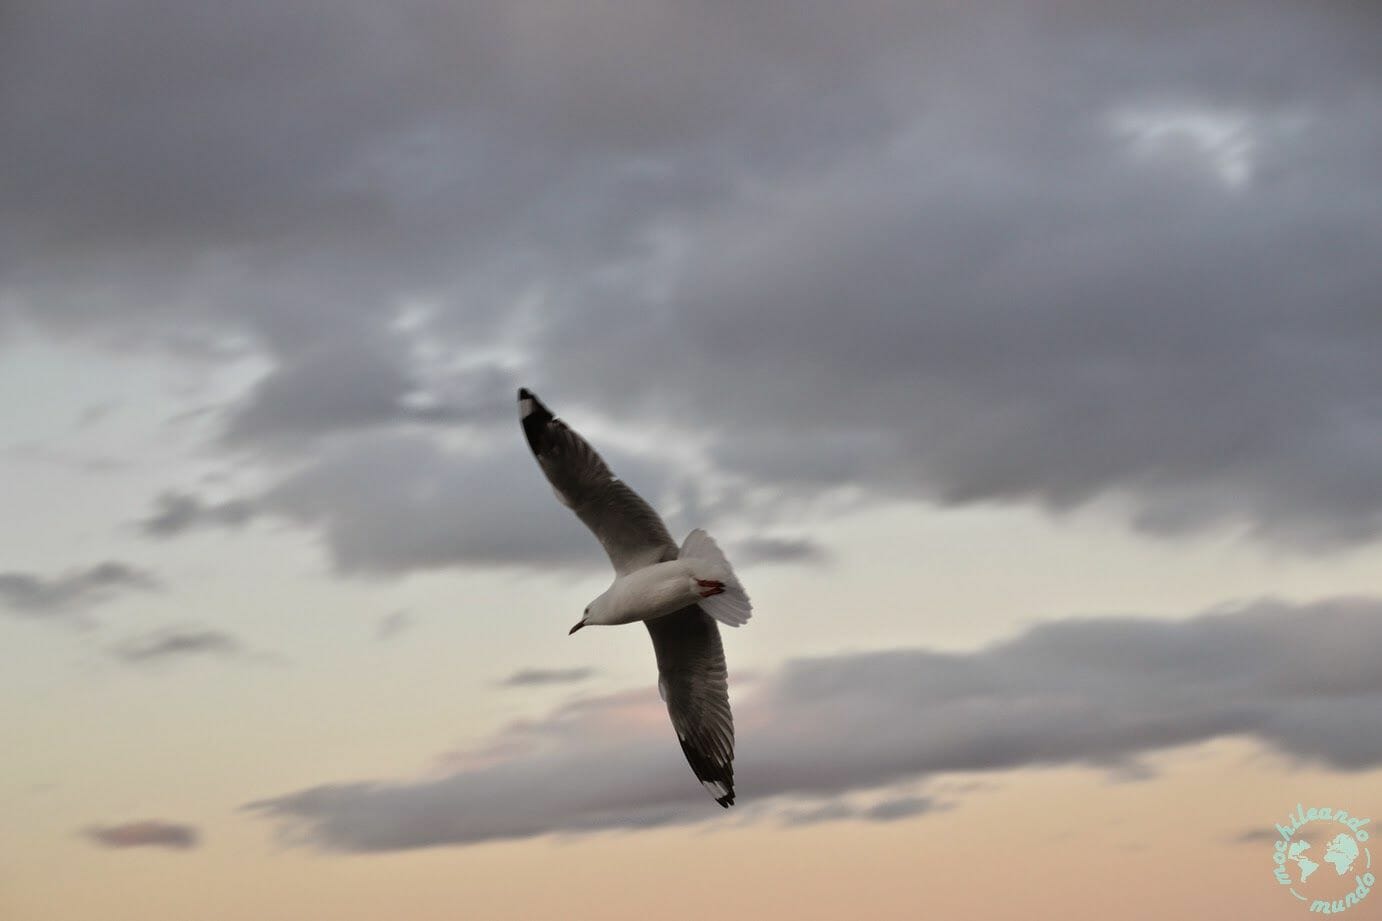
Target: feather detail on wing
<point>632,534</point>
<point>693,681</point>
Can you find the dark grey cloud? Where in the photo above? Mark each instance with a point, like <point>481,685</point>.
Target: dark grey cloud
<point>326,386</point>
<point>179,644</point>
<point>177,512</point>
<point>1003,252</point>
<point>398,499</point>
<point>152,833</point>
<point>529,677</point>
<point>404,501</point>
<point>349,384</point>
<point>1304,681</point>
<point>1194,349</point>
<point>36,595</point>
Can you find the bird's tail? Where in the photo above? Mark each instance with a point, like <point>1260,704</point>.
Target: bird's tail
<point>722,597</point>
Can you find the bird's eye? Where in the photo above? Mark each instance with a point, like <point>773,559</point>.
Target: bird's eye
<point>587,610</point>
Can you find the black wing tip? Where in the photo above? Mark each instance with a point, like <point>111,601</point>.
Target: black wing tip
<point>716,777</point>
<point>534,416</point>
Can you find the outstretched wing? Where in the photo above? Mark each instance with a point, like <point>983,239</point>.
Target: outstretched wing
<point>692,680</point>
<point>690,660</point>
<point>630,531</point>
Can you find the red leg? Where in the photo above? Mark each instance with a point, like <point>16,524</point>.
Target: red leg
<point>710,587</point>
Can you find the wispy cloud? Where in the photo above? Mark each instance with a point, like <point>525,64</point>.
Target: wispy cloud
<point>42,596</point>
<point>177,512</point>
<point>888,809</point>
<point>529,677</point>
<point>150,833</point>
<point>1302,680</point>
<point>179,644</point>
<point>831,811</point>
<point>902,807</point>
<point>393,625</point>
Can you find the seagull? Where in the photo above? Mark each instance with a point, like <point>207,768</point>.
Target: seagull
<point>679,593</point>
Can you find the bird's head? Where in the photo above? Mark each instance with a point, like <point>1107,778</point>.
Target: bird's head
<point>599,611</point>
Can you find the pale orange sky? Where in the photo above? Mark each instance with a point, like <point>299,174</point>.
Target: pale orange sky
<point>1018,845</point>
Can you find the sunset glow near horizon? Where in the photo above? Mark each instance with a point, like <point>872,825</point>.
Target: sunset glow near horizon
<point>1022,356</point>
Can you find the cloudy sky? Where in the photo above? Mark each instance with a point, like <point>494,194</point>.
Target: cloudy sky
<point>1025,356</point>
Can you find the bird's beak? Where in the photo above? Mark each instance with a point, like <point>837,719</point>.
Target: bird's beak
<point>579,624</point>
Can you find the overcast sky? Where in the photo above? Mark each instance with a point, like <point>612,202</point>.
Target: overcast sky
<point>1024,356</point>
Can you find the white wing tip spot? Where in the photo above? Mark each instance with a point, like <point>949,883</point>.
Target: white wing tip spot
<point>525,407</point>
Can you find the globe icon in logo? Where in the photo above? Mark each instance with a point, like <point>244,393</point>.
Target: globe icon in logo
<point>1321,855</point>
<point>1342,852</point>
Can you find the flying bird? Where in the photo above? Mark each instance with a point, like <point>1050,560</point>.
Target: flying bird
<point>678,593</point>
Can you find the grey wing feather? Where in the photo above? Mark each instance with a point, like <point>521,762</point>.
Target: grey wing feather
<point>632,534</point>
<point>694,683</point>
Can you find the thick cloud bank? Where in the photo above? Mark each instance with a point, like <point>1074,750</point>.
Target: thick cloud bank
<point>1000,251</point>
<point>1305,681</point>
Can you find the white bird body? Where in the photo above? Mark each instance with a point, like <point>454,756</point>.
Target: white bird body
<point>699,575</point>
<point>646,593</point>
